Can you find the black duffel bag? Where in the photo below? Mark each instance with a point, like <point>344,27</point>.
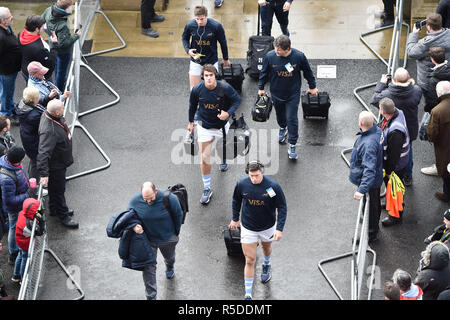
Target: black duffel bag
<point>262,108</point>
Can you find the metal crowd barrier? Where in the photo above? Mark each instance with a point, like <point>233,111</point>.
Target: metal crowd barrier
<point>33,268</point>
<point>360,248</point>
<point>84,11</point>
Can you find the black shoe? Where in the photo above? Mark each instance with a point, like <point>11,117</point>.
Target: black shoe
<point>390,221</point>
<point>69,213</point>
<point>69,222</point>
<point>157,18</point>
<point>407,181</point>
<point>373,239</point>
<point>150,32</point>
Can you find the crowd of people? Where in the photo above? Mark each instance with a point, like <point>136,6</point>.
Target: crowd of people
<point>383,150</point>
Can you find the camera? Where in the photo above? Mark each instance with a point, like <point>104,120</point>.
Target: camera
<point>421,24</point>
<point>388,78</point>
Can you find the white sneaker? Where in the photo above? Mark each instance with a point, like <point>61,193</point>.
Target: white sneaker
<point>431,171</point>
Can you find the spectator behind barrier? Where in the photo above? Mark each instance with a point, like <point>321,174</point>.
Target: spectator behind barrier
<point>443,9</point>
<point>14,186</point>
<point>391,291</point>
<point>434,270</point>
<point>29,112</point>
<point>6,139</point>
<point>406,96</point>
<point>442,232</point>
<point>408,290</point>
<point>418,49</point>
<point>10,60</point>
<point>34,47</point>
<point>438,131</point>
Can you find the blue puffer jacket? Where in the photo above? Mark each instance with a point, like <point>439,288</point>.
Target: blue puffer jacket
<point>134,249</point>
<point>366,162</point>
<point>12,195</point>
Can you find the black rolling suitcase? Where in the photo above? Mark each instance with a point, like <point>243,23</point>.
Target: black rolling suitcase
<point>233,242</point>
<point>316,106</point>
<point>233,74</point>
<point>258,46</point>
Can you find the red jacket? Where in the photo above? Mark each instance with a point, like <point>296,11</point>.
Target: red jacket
<point>24,223</point>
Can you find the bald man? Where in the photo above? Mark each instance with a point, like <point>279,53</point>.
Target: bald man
<point>54,157</point>
<point>161,228</point>
<point>406,96</point>
<point>438,132</point>
<point>366,168</point>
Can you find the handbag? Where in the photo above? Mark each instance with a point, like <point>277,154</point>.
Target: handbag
<point>423,126</point>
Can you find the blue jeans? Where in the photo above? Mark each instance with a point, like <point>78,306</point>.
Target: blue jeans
<point>21,262</point>
<point>267,12</point>
<point>287,115</point>
<point>12,245</point>
<point>61,68</point>
<point>7,87</point>
<point>409,166</point>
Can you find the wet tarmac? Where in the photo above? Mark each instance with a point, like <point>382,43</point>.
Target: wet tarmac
<point>142,135</point>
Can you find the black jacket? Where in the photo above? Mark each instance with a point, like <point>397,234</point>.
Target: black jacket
<point>55,145</point>
<point>434,272</point>
<point>439,74</point>
<point>443,9</point>
<point>134,249</point>
<point>35,51</point>
<point>29,117</point>
<point>406,98</point>
<point>10,54</point>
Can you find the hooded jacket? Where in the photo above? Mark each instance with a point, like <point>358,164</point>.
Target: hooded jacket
<point>434,272</point>
<point>443,9</point>
<point>13,194</point>
<point>134,249</point>
<point>406,97</point>
<point>24,225</point>
<point>29,117</point>
<point>6,142</point>
<point>33,49</point>
<point>56,20</point>
<point>418,49</point>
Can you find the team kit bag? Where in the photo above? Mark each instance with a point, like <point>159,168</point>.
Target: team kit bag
<point>316,106</point>
<point>181,192</point>
<point>258,46</point>
<point>232,240</point>
<point>262,108</point>
<point>233,74</point>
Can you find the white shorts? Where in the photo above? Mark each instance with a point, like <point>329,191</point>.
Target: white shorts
<point>248,236</point>
<point>206,135</point>
<point>195,69</point>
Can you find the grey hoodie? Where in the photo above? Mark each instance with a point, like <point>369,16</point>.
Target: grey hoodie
<point>418,49</point>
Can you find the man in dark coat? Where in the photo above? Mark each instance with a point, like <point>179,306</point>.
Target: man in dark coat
<point>35,48</point>
<point>434,271</point>
<point>406,96</point>
<point>54,157</point>
<point>443,9</point>
<point>10,60</point>
<point>438,132</point>
<point>366,168</point>
<point>440,72</point>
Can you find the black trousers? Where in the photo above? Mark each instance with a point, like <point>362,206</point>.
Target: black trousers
<point>374,212</point>
<point>147,13</point>
<point>389,9</point>
<point>56,191</point>
<point>446,186</point>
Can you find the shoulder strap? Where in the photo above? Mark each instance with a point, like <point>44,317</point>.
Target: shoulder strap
<point>9,173</point>
<point>166,202</point>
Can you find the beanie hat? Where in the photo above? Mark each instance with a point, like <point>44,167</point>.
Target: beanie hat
<point>447,214</point>
<point>15,154</point>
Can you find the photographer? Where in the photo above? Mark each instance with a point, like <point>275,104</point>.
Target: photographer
<point>406,96</point>
<point>419,49</point>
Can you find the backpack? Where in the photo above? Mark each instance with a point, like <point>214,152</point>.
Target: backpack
<point>262,108</point>
<point>180,191</point>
